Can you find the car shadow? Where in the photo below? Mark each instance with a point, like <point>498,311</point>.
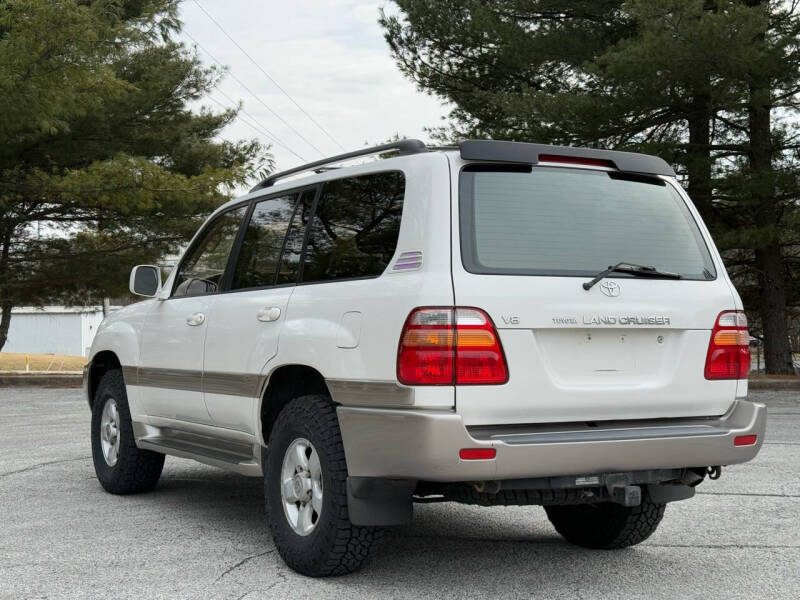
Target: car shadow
<point>467,547</point>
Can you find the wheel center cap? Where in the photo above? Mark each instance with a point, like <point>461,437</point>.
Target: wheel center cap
<point>300,486</point>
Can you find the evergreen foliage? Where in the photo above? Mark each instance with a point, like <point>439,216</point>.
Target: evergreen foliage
<point>713,86</point>
<point>102,163</point>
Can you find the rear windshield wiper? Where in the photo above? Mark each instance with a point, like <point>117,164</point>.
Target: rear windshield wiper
<point>638,270</point>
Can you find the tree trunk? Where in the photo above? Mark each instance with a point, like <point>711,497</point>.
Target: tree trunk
<point>768,255</point>
<point>777,351</point>
<point>698,155</point>
<point>5,321</point>
<point>6,303</point>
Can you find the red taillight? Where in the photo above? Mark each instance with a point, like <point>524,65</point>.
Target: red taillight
<point>479,357</point>
<point>477,453</point>
<point>729,348</point>
<point>576,160</point>
<point>745,440</point>
<point>447,346</point>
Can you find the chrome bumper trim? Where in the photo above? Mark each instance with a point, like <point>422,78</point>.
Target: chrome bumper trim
<point>418,444</point>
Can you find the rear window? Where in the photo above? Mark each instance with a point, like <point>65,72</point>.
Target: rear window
<point>575,222</point>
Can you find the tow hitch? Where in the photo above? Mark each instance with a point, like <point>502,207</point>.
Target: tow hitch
<point>621,491</point>
<point>625,488</point>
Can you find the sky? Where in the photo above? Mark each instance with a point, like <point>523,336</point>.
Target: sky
<point>328,55</point>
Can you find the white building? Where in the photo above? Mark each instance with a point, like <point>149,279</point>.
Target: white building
<point>53,329</point>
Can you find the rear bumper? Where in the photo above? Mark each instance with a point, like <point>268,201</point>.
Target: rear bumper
<point>424,445</point>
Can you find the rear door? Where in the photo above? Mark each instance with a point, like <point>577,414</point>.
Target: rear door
<point>525,240</point>
<point>337,314</point>
<point>247,319</point>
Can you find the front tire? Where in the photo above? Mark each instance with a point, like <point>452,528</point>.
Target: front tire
<point>606,525</point>
<point>121,467</point>
<point>305,487</point>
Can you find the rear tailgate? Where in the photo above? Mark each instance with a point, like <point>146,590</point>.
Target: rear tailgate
<point>525,240</point>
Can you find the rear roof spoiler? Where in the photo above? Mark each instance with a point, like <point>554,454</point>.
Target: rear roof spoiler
<point>519,152</point>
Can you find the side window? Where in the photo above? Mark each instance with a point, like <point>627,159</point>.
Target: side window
<point>202,269</point>
<point>355,227</point>
<point>293,248</point>
<point>257,262</point>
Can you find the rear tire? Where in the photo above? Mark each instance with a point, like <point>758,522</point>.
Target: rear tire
<point>606,525</point>
<point>324,541</point>
<point>121,467</point>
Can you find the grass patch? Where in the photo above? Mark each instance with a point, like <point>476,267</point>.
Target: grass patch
<point>15,361</point>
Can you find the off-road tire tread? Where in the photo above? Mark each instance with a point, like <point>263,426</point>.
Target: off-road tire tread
<point>611,526</point>
<point>136,470</point>
<point>338,547</point>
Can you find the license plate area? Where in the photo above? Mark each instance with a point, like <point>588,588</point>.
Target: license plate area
<point>623,354</point>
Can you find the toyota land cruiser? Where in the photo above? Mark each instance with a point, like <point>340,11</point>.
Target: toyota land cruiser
<point>495,323</point>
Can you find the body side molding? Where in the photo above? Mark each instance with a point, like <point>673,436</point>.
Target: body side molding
<point>248,385</point>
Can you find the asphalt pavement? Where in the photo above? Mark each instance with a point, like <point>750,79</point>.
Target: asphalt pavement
<point>202,533</point>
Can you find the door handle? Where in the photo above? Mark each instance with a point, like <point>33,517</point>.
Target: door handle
<point>195,319</point>
<point>268,314</point>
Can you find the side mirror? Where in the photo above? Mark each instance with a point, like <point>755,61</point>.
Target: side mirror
<point>145,280</point>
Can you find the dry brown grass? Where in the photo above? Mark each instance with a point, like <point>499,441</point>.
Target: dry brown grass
<point>15,361</point>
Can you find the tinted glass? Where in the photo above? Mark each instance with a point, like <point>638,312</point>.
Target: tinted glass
<point>202,269</point>
<point>355,227</point>
<point>293,247</point>
<point>556,221</point>
<point>258,257</point>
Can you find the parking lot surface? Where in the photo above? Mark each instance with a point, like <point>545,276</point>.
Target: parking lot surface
<point>202,533</point>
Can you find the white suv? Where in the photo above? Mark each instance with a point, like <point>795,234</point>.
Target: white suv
<point>441,324</point>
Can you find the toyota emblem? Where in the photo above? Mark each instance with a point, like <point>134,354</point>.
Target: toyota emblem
<point>610,288</point>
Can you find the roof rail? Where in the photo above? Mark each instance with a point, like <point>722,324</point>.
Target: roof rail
<point>404,146</point>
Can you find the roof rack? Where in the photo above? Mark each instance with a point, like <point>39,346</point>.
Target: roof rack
<point>404,147</point>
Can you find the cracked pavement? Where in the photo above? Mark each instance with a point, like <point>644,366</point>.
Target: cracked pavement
<point>202,533</point>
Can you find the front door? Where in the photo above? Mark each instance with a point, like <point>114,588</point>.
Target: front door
<point>171,357</point>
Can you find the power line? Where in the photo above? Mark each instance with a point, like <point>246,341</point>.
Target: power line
<point>258,128</point>
<point>260,68</point>
<point>269,133</point>
<point>260,124</point>
<point>253,94</point>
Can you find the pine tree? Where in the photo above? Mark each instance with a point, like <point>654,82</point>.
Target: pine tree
<point>710,85</point>
<point>102,163</point>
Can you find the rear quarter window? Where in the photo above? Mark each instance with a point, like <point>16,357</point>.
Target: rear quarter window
<point>355,227</point>
<point>575,222</point>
